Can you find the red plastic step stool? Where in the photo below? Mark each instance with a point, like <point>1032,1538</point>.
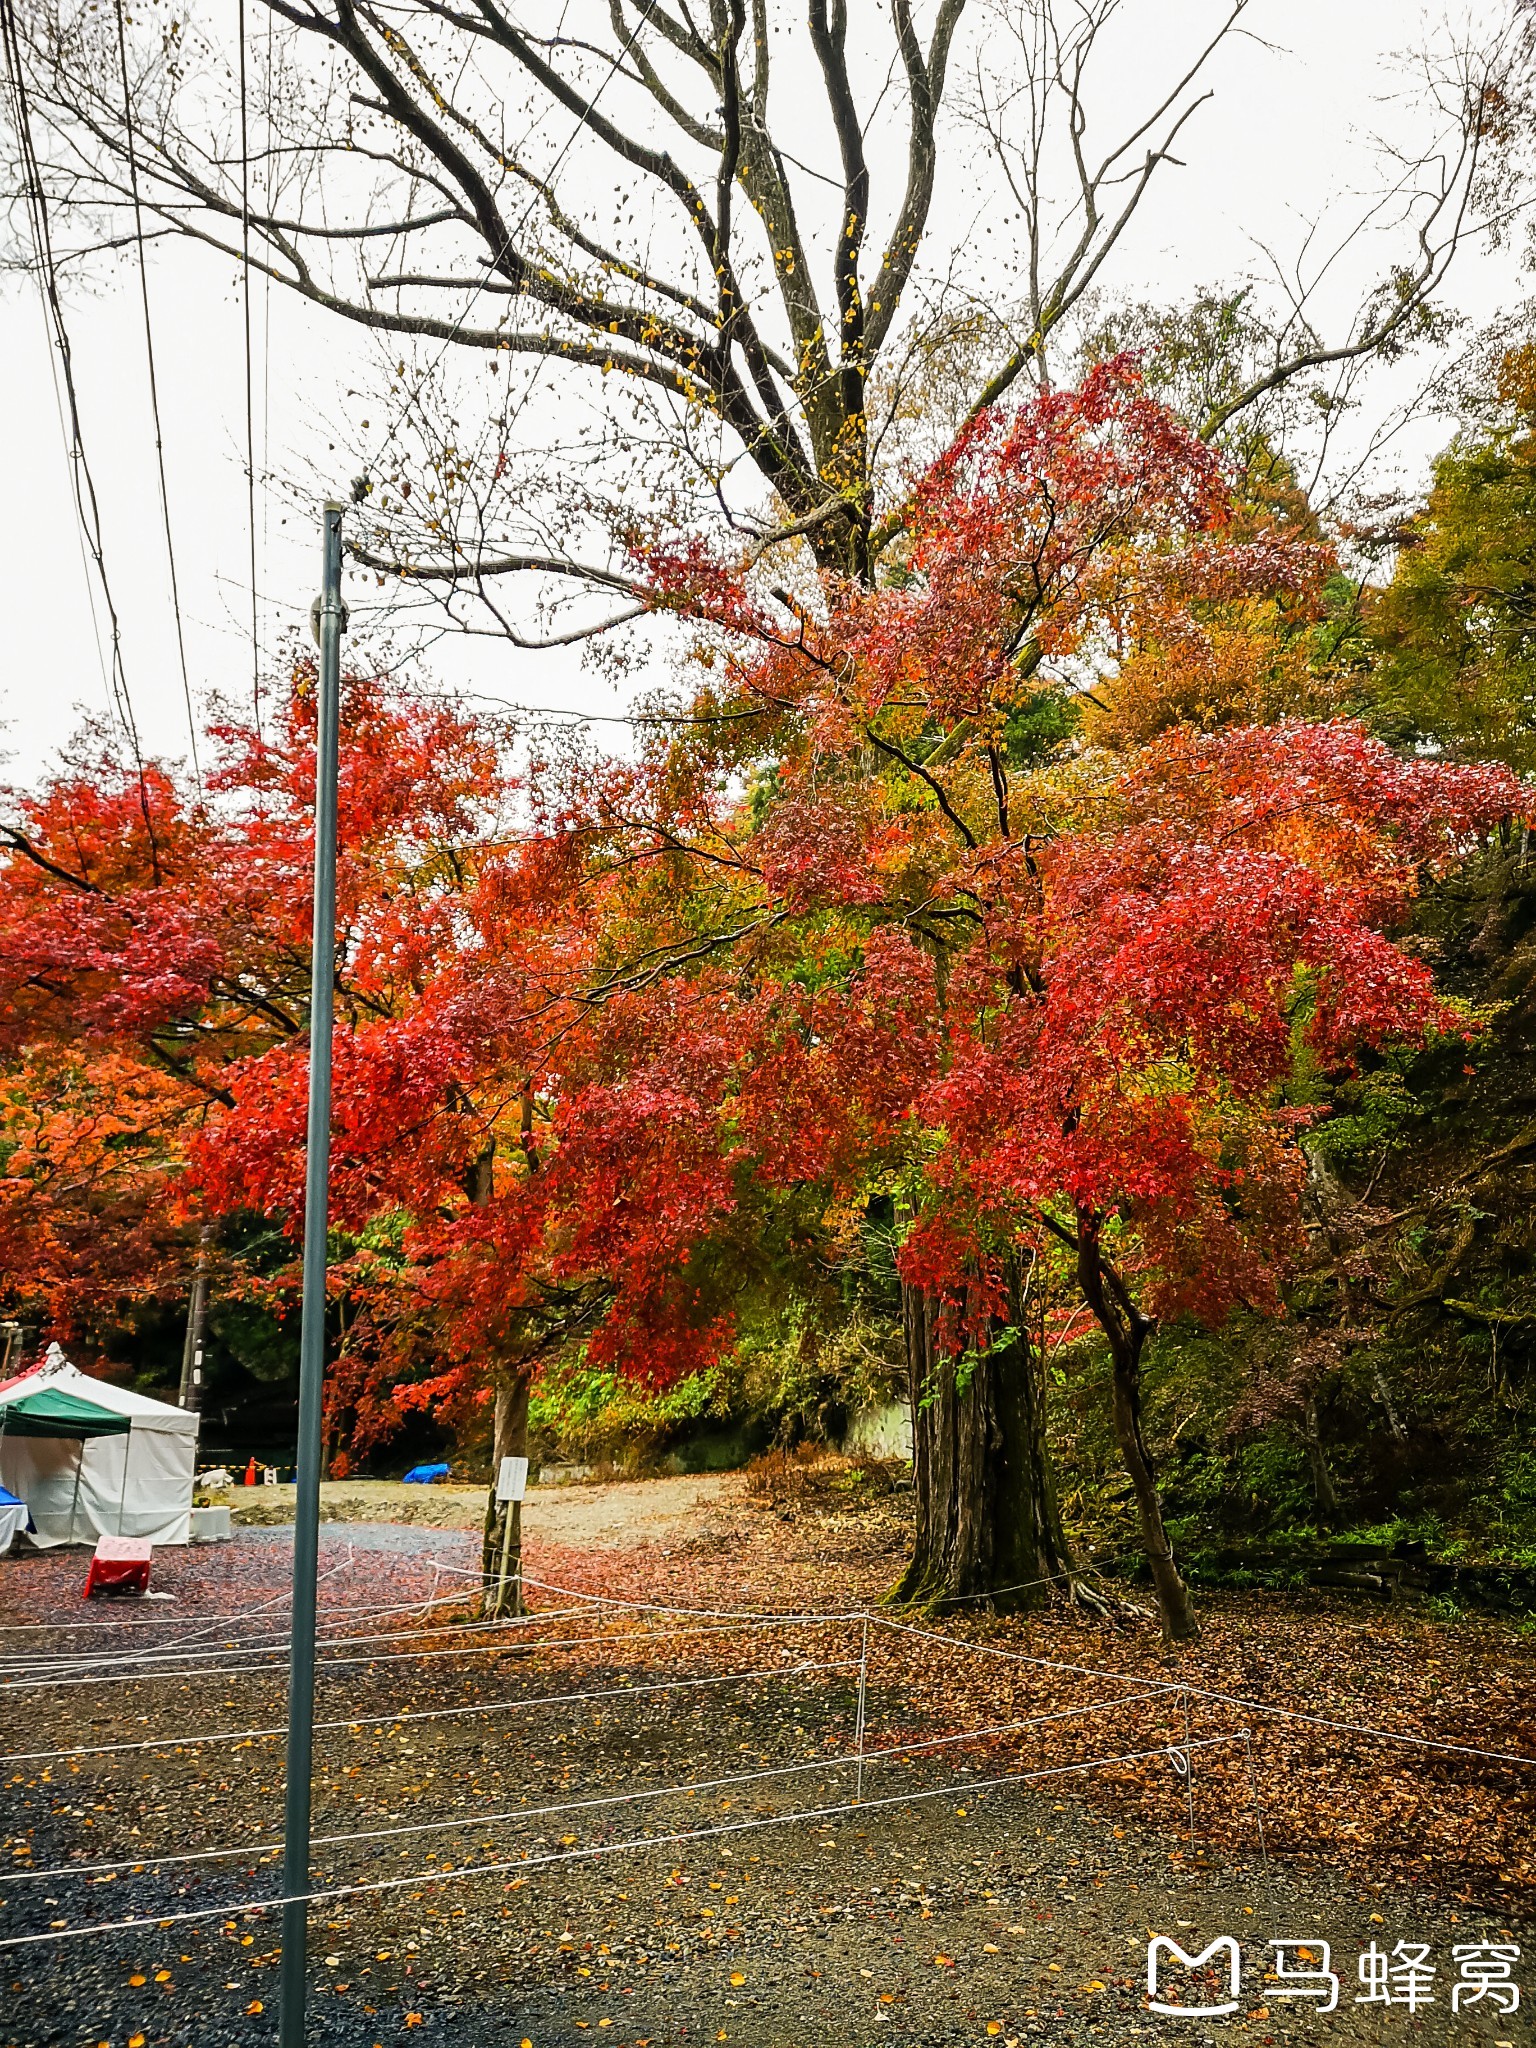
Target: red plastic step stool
<point>120,1565</point>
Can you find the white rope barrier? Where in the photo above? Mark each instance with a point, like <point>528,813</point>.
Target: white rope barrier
<point>706,1613</point>
<point>239,1735</point>
<point>162,1655</point>
<point>1227,1699</point>
<point>192,1738</point>
<point>209,1629</point>
<point>482,1820</point>
<point>431,1875</point>
<point>157,1660</point>
<point>1095,1671</point>
<point>187,1620</point>
<point>1335,1724</point>
<point>139,1677</point>
<point>218,1625</point>
<point>854,1758</point>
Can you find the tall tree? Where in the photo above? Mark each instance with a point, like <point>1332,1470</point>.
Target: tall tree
<point>154,974</point>
<point>746,215</point>
<point>1047,997</point>
<point>865,918</point>
<point>1456,626</point>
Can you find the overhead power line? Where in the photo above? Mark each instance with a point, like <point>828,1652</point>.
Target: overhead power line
<point>250,427</point>
<point>84,487</point>
<point>87,506</point>
<point>154,390</point>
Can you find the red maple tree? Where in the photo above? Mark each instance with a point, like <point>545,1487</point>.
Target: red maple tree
<point>878,917</point>
<point>1043,995</point>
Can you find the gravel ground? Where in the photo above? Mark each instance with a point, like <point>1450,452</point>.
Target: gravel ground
<point>1015,1913</point>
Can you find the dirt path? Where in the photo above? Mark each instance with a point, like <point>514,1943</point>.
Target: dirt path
<point>602,1517</point>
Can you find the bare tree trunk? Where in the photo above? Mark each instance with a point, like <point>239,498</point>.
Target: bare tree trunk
<point>1178,1617</point>
<point>1127,1331</point>
<point>988,1524</point>
<point>1323,1489</point>
<point>1384,1395</point>
<point>501,1551</point>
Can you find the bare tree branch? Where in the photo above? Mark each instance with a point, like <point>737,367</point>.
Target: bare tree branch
<point>613,201</point>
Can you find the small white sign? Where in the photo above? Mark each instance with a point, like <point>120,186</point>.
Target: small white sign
<point>512,1480</point>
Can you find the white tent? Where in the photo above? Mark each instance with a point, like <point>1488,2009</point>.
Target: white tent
<point>91,1459</point>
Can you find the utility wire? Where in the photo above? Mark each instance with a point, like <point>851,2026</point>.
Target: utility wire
<point>154,389</point>
<point>266,322</point>
<point>250,429</point>
<point>82,482</point>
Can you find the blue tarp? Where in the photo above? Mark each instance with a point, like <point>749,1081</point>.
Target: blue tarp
<point>426,1475</point>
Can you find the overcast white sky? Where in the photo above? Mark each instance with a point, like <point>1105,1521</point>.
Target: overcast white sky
<point>1286,134</point>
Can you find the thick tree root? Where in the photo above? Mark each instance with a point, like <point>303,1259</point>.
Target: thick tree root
<point>931,1595</point>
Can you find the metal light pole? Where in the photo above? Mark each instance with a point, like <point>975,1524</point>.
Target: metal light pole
<point>331,619</point>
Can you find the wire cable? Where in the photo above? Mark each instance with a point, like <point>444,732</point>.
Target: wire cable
<point>142,1677</point>
<point>200,1633</point>
<point>1090,1671</point>
<point>201,1627</point>
<point>250,423</point>
<point>160,1655</point>
<point>195,1619</point>
<point>354,1721</point>
<point>1227,1699</point>
<point>154,387</point>
<point>82,481</point>
<point>485,1820</point>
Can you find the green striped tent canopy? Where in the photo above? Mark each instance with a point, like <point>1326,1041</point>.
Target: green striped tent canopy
<point>53,1412</point>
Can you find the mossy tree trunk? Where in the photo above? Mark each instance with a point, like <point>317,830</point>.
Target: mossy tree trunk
<point>988,1526</point>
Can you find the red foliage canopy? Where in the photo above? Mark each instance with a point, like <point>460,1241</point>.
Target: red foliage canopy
<point>875,918</point>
